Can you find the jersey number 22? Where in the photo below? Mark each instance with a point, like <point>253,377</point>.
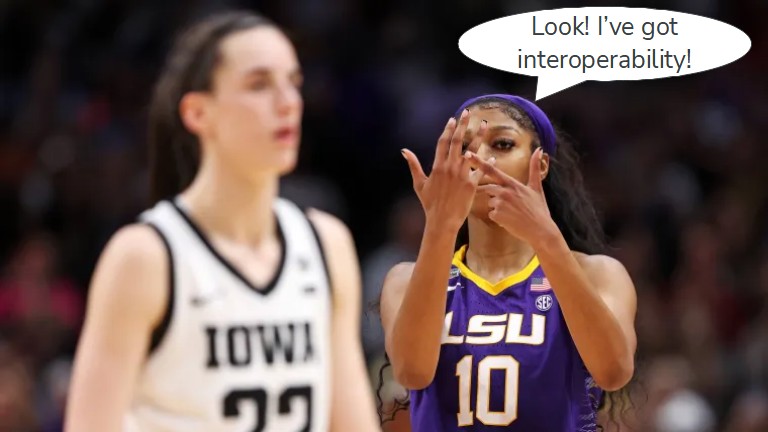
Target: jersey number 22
<point>258,397</point>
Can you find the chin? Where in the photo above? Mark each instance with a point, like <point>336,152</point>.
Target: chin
<point>480,203</point>
<point>287,163</point>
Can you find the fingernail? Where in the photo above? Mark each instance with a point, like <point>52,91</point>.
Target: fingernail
<point>465,113</point>
<point>402,152</point>
<point>485,122</point>
<point>492,160</point>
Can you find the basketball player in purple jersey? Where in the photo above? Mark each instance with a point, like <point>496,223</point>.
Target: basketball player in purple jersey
<point>526,325</point>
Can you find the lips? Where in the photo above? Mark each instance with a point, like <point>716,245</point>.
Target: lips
<point>287,136</point>
<point>285,133</point>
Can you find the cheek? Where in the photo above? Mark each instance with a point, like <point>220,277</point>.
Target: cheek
<point>245,116</point>
<point>245,126</point>
<point>514,165</point>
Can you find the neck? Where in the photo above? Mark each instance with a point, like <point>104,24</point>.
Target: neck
<point>494,251</point>
<point>236,208</point>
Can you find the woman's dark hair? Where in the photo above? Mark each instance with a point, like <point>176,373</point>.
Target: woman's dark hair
<point>572,210</point>
<point>174,151</point>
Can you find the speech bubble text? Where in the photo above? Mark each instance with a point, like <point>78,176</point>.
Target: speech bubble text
<point>564,47</point>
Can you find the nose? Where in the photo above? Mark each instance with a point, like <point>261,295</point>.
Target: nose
<point>483,151</point>
<point>288,99</point>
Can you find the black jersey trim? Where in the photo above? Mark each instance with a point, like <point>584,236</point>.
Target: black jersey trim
<point>321,248</point>
<point>266,289</point>
<point>158,333</point>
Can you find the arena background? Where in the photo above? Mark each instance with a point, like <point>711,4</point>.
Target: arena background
<point>677,167</point>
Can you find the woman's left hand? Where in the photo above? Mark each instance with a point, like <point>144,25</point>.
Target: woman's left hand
<point>520,209</point>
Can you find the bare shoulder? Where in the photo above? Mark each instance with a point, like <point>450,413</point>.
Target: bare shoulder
<point>330,228</point>
<point>599,263</point>
<point>133,270</point>
<point>137,241</point>
<point>341,258</point>
<point>136,247</point>
<point>337,243</point>
<point>606,272</point>
<point>396,282</point>
<point>400,272</point>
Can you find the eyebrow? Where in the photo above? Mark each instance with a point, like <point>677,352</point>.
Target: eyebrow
<point>262,70</point>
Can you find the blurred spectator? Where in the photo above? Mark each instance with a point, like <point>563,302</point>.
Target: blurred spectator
<point>755,339</point>
<point>749,413</point>
<point>685,411</point>
<point>41,309</point>
<point>52,394</point>
<point>673,405</point>
<point>406,223</point>
<point>17,406</point>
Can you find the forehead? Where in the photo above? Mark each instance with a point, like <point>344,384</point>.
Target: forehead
<point>497,120</point>
<point>494,116</point>
<point>260,47</point>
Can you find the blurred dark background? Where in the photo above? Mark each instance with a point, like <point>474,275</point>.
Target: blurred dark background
<point>677,168</point>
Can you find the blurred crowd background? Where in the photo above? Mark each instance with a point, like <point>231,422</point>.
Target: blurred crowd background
<point>677,168</point>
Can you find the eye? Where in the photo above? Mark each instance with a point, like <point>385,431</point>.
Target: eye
<point>503,144</point>
<point>259,84</point>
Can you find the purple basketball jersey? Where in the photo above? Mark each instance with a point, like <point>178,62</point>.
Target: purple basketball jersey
<point>507,361</point>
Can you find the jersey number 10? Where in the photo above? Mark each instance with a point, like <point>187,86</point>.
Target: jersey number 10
<point>511,368</point>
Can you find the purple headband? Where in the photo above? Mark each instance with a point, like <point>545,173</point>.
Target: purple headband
<point>540,120</point>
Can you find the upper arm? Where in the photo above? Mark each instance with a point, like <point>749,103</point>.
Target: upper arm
<point>614,286</point>
<point>392,293</point>
<point>352,401</point>
<point>343,265</point>
<point>126,300</point>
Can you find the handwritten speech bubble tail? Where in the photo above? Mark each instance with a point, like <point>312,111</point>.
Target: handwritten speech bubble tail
<point>548,85</point>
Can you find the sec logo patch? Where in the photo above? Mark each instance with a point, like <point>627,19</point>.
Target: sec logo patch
<point>544,302</point>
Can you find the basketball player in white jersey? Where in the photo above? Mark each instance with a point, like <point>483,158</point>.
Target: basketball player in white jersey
<point>225,308</point>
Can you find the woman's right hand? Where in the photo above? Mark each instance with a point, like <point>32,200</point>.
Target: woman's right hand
<point>448,192</point>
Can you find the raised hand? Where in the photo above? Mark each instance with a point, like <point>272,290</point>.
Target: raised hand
<point>520,209</point>
<point>448,192</point>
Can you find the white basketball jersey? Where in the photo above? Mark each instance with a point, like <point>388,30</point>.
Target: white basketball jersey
<point>233,357</point>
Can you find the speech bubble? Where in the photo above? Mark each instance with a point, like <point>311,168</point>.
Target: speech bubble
<point>565,47</point>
